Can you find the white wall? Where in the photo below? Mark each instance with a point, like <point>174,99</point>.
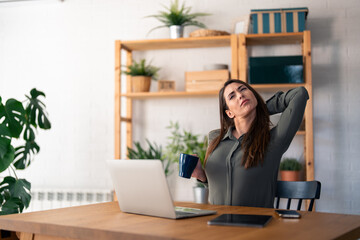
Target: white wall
<point>66,49</point>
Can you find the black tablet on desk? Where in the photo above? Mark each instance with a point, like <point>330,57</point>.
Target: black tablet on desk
<point>241,220</point>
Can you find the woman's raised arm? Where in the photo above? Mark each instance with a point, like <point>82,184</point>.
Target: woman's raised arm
<point>292,106</point>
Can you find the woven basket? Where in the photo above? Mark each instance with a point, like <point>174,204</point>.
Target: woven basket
<point>207,33</point>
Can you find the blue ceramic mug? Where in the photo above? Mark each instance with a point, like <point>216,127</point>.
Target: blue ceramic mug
<point>187,164</point>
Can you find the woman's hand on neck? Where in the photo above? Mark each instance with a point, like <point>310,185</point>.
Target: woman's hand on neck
<point>242,125</point>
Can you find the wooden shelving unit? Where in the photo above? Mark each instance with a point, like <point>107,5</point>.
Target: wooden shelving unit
<point>239,64</point>
<point>159,44</point>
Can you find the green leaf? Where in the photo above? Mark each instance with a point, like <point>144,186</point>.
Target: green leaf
<point>4,131</point>
<point>18,188</point>
<point>4,146</point>
<point>24,154</point>
<point>6,194</point>
<point>13,115</point>
<point>11,206</point>
<point>35,93</point>
<point>8,155</point>
<point>36,110</point>
<point>29,133</point>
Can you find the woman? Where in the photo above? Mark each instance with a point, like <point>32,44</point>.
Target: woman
<point>242,160</point>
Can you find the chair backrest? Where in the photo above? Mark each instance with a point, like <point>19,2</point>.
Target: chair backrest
<point>298,190</point>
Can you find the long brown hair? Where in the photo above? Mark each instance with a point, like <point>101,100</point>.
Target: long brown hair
<point>256,139</point>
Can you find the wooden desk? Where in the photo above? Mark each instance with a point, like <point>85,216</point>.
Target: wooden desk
<point>106,221</point>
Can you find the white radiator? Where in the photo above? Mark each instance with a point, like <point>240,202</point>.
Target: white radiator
<point>44,199</point>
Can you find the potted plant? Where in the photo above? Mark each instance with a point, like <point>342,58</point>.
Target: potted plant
<point>201,193</point>
<point>153,152</point>
<point>290,169</point>
<point>177,18</point>
<point>141,75</point>
<point>186,142</point>
<point>19,121</point>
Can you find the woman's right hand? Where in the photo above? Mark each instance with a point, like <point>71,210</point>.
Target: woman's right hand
<point>199,172</point>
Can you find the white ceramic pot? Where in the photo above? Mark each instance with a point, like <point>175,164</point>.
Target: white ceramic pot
<point>176,31</point>
<point>201,195</point>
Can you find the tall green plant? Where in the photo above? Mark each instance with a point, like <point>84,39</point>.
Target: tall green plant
<point>180,16</point>
<point>184,142</point>
<point>17,121</point>
<point>153,152</point>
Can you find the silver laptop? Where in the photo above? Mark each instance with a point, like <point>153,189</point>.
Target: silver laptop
<point>141,188</point>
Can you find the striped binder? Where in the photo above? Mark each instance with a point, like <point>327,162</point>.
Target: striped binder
<point>278,20</point>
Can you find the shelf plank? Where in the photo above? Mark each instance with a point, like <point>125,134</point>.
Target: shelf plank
<point>214,41</point>
<point>276,87</point>
<point>274,38</point>
<point>300,132</point>
<point>196,42</point>
<point>258,87</point>
<point>144,95</point>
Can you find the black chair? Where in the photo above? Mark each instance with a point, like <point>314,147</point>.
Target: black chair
<point>298,190</point>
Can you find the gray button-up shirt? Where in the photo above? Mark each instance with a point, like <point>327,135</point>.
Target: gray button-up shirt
<point>229,182</point>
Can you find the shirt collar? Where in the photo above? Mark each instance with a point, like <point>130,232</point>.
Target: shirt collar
<point>230,135</point>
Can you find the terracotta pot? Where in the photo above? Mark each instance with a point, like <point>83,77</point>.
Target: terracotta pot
<point>290,175</point>
<point>141,83</point>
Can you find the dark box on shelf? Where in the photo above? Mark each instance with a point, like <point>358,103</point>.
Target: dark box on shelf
<point>279,69</point>
<point>278,20</point>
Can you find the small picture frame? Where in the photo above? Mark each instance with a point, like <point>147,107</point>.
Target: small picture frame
<point>241,24</point>
<point>166,86</point>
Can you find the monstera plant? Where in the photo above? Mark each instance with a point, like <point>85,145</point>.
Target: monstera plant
<point>19,120</point>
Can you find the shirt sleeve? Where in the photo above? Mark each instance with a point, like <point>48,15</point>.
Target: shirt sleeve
<point>212,135</point>
<point>292,106</point>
